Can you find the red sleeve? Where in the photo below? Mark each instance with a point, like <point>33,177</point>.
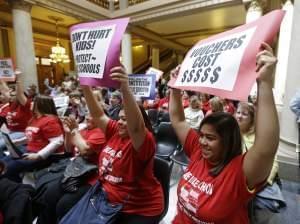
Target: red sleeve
<point>236,179</point>
<point>147,149</point>
<point>111,129</point>
<point>52,128</point>
<point>191,143</point>
<point>26,108</point>
<point>96,140</point>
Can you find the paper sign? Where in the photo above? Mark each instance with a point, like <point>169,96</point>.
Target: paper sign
<point>7,69</point>
<point>224,65</point>
<point>61,101</point>
<point>96,49</point>
<point>158,73</point>
<point>142,86</point>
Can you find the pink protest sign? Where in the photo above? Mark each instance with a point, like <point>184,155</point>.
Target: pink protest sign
<point>96,49</point>
<point>224,65</point>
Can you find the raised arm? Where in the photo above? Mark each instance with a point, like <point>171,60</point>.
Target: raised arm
<point>22,99</point>
<point>259,159</point>
<point>96,110</point>
<point>135,122</point>
<point>176,111</point>
<point>3,87</point>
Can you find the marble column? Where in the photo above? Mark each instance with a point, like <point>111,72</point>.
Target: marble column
<point>155,57</point>
<point>24,41</point>
<point>284,43</point>
<point>111,5</point>
<point>123,4</point>
<point>127,52</point>
<point>288,126</point>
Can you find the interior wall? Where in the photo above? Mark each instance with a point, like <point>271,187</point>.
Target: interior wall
<point>140,54</point>
<point>1,45</point>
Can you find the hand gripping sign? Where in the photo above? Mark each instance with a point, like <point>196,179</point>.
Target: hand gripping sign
<point>7,69</point>
<point>224,65</point>
<point>96,49</point>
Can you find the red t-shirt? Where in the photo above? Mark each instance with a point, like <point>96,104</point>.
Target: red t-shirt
<point>95,139</point>
<point>127,175</point>
<point>4,108</point>
<point>18,116</point>
<point>39,130</point>
<point>205,106</point>
<point>203,198</point>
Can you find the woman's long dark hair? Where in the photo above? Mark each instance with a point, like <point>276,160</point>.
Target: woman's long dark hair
<point>45,105</point>
<point>228,129</point>
<point>146,119</point>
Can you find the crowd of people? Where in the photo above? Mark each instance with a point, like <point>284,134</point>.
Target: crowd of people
<point>224,140</point>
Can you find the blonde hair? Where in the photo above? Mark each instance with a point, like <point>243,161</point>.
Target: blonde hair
<point>251,110</point>
<point>216,104</point>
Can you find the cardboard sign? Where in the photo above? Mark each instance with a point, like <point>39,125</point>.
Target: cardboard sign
<point>61,101</point>
<point>142,86</point>
<point>224,65</point>
<point>96,49</point>
<point>7,69</point>
<point>158,73</point>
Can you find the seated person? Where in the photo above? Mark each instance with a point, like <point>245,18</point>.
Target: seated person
<point>18,112</point>
<point>87,143</point>
<point>15,200</point>
<point>193,114</point>
<point>44,134</point>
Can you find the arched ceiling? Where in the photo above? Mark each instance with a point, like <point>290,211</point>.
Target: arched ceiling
<point>183,29</point>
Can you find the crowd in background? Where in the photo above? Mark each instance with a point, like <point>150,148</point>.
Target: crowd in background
<point>94,119</point>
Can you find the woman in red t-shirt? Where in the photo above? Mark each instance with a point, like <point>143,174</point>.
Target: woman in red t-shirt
<point>87,143</point>
<point>17,113</point>
<point>126,162</point>
<point>219,180</point>
<point>44,135</point>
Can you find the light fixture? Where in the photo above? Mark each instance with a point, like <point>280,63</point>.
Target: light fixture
<point>58,53</point>
<point>254,11</point>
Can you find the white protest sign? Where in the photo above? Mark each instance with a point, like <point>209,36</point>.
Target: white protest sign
<point>61,101</point>
<point>142,86</point>
<point>158,73</point>
<point>215,64</point>
<point>225,64</point>
<point>90,48</point>
<point>7,69</point>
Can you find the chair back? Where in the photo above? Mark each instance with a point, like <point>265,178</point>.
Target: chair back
<point>164,117</point>
<point>162,171</point>
<point>153,116</point>
<point>166,140</point>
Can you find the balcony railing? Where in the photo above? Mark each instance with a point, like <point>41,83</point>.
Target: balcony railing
<point>105,3</point>
<point>134,2</point>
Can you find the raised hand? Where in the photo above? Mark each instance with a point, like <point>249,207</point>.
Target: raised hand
<point>119,73</point>
<point>175,71</point>
<point>265,63</point>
